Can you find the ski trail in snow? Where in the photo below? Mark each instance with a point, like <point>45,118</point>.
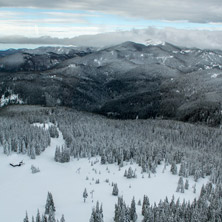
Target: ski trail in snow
<point>50,150</point>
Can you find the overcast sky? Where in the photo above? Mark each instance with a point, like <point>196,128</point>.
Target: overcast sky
<point>70,18</point>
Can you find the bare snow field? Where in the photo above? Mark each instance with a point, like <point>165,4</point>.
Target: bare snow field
<point>22,191</point>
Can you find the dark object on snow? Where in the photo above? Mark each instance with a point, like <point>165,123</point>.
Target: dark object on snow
<point>16,165</point>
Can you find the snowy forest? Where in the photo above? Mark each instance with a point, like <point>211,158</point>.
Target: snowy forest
<point>189,151</point>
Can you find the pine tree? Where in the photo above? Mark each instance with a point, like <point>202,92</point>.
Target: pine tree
<point>180,186</point>
<point>65,155</point>
<point>127,214</point>
<point>32,152</point>
<point>148,215</point>
<point>118,209</point>
<point>187,184</point>
<point>133,215</point>
<point>101,210</point>
<point>38,218</point>
<point>182,169</point>
<point>194,188</point>
<point>49,203</point>
<point>97,214</point>
<point>26,219</point>
<point>57,157</point>
<point>85,195</point>
<point>51,217</point>
<point>203,191</point>
<point>53,131</point>
<point>103,159</point>
<point>115,190</point>
<point>92,218</point>
<point>146,204</point>
<point>173,168</point>
<point>130,173</point>
<point>44,218</point>
<point>62,219</point>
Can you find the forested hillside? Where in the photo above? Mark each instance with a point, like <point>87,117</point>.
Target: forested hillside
<point>186,150</point>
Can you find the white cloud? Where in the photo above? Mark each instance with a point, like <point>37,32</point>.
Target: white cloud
<point>37,31</point>
<point>187,38</point>
<point>191,10</point>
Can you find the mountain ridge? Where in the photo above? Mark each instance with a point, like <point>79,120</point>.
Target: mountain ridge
<point>129,80</point>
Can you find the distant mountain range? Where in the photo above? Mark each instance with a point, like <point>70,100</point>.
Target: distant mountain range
<point>129,80</point>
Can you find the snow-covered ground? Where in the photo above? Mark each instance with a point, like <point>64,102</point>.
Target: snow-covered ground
<point>13,98</point>
<point>20,190</point>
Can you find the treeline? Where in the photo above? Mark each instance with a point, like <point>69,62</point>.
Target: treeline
<point>18,134</point>
<point>198,149</point>
<point>207,208</point>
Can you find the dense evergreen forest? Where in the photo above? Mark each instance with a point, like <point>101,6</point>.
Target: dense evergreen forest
<point>190,150</point>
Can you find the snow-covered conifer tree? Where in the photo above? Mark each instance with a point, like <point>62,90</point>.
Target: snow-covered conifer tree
<point>146,204</point>
<point>85,194</point>
<point>133,214</point>
<point>186,184</point>
<point>173,168</point>
<point>115,190</point>
<point>62,219</point>
<point>180,186</point>
<point>38,218</point>
<point>26,219</point>
<point>49,203</point>
<point>57,157</point>
<point>51,217</point>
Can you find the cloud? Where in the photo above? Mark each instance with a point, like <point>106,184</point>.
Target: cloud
<point>199,11</point>
<point>203,39</point>
<point>36,31</point>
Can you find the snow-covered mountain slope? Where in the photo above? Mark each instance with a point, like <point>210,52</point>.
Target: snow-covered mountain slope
<point>22,191</point>
<point>142,157</point>
<point>126,80</point>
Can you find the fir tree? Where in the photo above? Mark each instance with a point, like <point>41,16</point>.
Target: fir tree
<point>146,204</point>
<point>115,190</point>
<point>103,159</point>
<point>32,153</point>
<point>44,218</point>
<point>180,186</point>
<point>133,215</point>
<point>97,214</point>
<point>65,155</point>
<point>38,218</point>
<point>51,217</point>
<point>62,219</point>
<point>49,203</point>
<point>26,219</point>
<point>173,168</point>
<point>186,184</point>
<point>182,171</point>
<point>194,188</point>
<point>57,157</point>
<point>85,194</point>
<point>130,173</point>
<point>92,218</point>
